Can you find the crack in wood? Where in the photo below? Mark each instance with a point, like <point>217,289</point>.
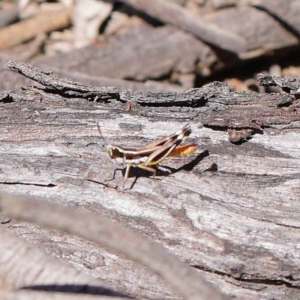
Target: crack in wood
<point>27,183</point>
<point>242,278</point>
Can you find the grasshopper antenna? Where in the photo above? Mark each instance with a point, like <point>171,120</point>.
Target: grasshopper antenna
<point>106,144</point>
<point>101,135</point>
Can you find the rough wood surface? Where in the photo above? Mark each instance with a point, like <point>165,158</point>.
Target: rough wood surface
<point>24,266</point>
<point>230,210</point>
<point>35,295</point>
<point>105,233</point>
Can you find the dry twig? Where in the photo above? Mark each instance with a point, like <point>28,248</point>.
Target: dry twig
<point>28,29</point>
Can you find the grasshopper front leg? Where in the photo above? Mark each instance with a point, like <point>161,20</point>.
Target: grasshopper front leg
<point>126,175</point>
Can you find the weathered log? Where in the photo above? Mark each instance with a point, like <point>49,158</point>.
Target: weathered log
<point>230,210</point>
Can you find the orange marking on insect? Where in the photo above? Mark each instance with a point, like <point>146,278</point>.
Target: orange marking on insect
<point>182,150</point>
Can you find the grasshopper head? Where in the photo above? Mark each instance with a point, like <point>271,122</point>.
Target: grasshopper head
<point>114,152</point>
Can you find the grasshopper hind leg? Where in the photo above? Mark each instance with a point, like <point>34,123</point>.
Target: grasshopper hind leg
<point>141,166</point>
<point>147,168</point>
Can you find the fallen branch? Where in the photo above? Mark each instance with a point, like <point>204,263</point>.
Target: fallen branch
<point>66,87</point>
<point>174,14</point>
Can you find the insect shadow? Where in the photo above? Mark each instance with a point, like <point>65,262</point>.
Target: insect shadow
<point>190,165</point>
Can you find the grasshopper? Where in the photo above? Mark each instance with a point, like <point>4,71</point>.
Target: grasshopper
<point>151,155</point>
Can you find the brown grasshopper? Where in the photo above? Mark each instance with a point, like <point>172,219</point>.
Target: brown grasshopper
<point>152,154</point>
